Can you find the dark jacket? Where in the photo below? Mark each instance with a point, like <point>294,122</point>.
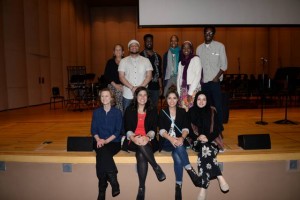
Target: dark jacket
<point>181,122</point>
<point>130,124</point>
<point>131,119</point>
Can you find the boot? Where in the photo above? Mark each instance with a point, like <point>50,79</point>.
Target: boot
<point>112,179</point>
<point>102,185</point>
<point>178,195</point>
<point>141,194</point>
<point>194,177</point>
<point>159,173</point>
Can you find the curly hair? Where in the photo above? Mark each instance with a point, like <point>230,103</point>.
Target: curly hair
<point>134,103</point>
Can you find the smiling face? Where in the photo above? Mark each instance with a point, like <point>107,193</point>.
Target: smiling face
<point>105,98</point>
<point>134,48</point>
<point>186,49</point>
<point>118,51</point>
<point>208,35</point>
<point>149,43</point>
<point>142,98</point>
<point>173,42</point>
<point>201,101</point>
<point>172,100</point>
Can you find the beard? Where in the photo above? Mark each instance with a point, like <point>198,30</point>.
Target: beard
<point>134,52</point>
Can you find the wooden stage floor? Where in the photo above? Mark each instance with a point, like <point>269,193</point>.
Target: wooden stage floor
<point>38,134</point>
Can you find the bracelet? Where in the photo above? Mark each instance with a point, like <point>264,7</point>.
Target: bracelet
<point>132,87</point>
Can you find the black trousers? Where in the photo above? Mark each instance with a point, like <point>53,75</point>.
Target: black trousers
<point>104,158</point>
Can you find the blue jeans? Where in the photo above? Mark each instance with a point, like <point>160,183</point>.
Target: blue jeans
<point>181,160</point>
<point>126,103</point>
<point>214,95</point>
<point>154,96</point>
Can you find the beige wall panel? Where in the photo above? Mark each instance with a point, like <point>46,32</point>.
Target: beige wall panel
<point>73,32</point>
<point>248,50</point>
<point>262,49</point>
<point>98,40</point>
<point>55,53</point>
<point>295,52</point>
<point>34,79</point>
<point>274,61</point>
<point>43,20</point>
<point>17,97</point>
<point>285,43</point>
<point>31,24</point>
<point>65,39</point>
<point>80,55</point>
<point>87,39</point>
<point>3,85</point>
<point>48,182</point>
<point>45,75</point>
<point>13,25</point>
<point>233,51</point>
<point>14,53</point>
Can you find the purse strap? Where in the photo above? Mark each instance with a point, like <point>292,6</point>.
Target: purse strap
<point>171,121</point>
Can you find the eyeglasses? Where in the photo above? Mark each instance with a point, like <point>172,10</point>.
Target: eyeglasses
<point>208,33</point>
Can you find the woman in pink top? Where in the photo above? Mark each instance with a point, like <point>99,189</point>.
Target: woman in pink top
<point>140,122</point>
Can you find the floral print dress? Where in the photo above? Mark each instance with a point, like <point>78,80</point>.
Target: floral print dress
<point>208,166</point>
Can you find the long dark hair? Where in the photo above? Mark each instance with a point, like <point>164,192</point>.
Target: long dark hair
<point>134,103</point>
<point>172,90</point>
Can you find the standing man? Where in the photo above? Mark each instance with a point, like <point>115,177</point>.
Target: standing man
<point>170,64</point>
<point>134,71</point>
<point>214,63</point>
<point>155,85</point>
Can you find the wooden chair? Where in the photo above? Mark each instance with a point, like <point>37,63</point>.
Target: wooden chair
<point>56,97</point>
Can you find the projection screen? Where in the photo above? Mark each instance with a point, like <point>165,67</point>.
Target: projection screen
<point>218,12</point>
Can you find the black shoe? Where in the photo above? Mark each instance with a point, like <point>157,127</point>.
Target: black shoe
<point>102,185</point>
<point>112,179</point>
<point>178,195</point>
<point>159,173</point>
<point>194,177</point>
<point>141,194</point>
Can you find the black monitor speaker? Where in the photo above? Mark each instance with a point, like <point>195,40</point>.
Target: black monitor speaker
<point>254,141</point>
<point>80,144</point>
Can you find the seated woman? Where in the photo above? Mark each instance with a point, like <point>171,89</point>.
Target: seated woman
<point>140,122</point>
<point>106,128</point>
<point>173,123</point>
<point>205,125</point>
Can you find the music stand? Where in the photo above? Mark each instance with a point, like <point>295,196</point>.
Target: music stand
<point>285,120</point>
<point>262,96</point>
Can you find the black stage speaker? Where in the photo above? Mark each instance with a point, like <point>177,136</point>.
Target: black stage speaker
<point>254,141</point>
<point>80,144</point>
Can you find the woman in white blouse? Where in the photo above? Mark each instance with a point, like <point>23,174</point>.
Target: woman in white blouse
<point>189,75</point>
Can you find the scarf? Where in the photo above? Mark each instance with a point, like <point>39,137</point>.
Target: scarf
<point>172,62</point>
<point>185,63</point>
<point>201,117</point>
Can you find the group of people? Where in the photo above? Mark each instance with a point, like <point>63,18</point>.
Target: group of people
<point>190,84</point>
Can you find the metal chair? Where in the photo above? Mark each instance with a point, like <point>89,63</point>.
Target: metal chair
<point>56,97</point>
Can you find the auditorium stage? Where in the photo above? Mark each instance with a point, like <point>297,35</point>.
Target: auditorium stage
<point>38,134</point>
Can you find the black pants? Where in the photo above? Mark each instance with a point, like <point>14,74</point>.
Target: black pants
<point>144,155</point>
<point>104,159</point>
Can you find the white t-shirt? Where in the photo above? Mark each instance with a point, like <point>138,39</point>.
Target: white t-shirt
<point>135,70</point>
